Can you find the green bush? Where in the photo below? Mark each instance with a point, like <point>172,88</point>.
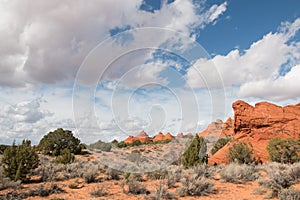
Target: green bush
<point>2,148</point>
<point>121,144</point>
<point>19,160</point>
<point>66,157</point>
<point>195,153</point>
<point>219,145</point>
<point>136,143</point>
<point>241,152</point>
<point>55,142</point>
<point>103,146</point>
<point>284,150</point>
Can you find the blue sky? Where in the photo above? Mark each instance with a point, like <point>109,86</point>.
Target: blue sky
<point>107,71</point>
<point>245,22</point>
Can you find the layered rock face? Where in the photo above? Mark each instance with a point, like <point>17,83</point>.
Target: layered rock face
<point>258,124</point>
<point>266,118</point>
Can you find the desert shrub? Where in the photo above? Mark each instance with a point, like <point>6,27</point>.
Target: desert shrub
<point>136,187</point>
<point>103,146</point>
<point>173,176</point>
<point>219,145</point>
<point>55,142</point>
<point>284,150</point>
<point>121,144</point>
<point>7,183</point>
<point>277,181</point>
<point>289,194</point>
<point>98,191</point>
<point>115,142</point>
<point>3,147</point>
<point>295,171</point>
<point>44,191</point>
<point>161,192</point>
<point>195,153</point>
<point>112,174</point>
<point>90,173</point>
<point>195,186</point>
<point>12,195</point>
<point>65,157</point>
<point>202,170</point>
<point>136,143</point>
<point>236,173</point>
<point>19,160</point>
<point>77,169</point>
<point>157,174</point>
<point>241,152</point>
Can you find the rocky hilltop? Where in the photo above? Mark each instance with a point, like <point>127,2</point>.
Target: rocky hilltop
<point>257,125</point>
<point>144,137</point>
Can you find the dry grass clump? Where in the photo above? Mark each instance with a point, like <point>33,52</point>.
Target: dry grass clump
<point>98,191</point>
<point>192,185</point>
<point>289,194</point>
<point>239,173</point>
<point>174,176</point>
<point>136,187</point>
<point>157,174</point>
<point>161,192</point>
<point>280,177</point>
<point>112,174</point>
<point>90,173</point>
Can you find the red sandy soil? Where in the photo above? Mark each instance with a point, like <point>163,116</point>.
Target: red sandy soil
<point>114,191</point>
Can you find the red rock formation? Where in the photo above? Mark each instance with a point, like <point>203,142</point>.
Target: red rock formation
<point>179,135</point>
<point>214,129</point>
<point>227,128</point>
<point>129,140</point>
<point>168,136</point>
<point>142,137</point>
<point>159,137</point>
<point>218,129</point>
<point>259,124</point>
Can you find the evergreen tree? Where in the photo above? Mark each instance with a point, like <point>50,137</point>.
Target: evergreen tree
<point>55,142</point>
<point>19,160</point>
<point>195,153</point>
<point>284,150</point>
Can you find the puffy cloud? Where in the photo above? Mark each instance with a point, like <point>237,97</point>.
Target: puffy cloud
<point>260,65</point>
<point>45,42</point>
<point>24,112</point>
<point>278,89</point>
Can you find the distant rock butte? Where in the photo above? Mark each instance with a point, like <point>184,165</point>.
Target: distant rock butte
<point>144,137</point>
<point>218,129</point>
<point>257,125</point>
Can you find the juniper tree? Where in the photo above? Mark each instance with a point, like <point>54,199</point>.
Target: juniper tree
<point>195,153</point>
<point>19,160</point>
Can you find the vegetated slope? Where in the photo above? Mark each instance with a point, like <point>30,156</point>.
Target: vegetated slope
<point>258,124</point>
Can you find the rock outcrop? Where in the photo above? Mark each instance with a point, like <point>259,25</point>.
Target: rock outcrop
<point>218,129</point>
<point>144,137</point>
<point>258,124</point>
<point>161,137</point>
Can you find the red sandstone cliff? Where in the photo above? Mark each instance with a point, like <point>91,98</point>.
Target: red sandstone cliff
<point>260,123</point>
